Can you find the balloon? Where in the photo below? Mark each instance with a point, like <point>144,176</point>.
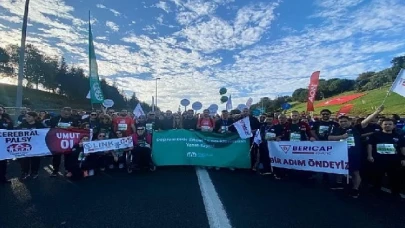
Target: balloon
<point>184,102</point>
<point>222,91</point>
<point>224,99</point>
<point>196,105</point>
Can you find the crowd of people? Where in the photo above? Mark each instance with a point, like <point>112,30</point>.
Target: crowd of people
<point>376,144</point>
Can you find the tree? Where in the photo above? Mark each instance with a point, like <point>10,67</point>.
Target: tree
<point>5,62</point>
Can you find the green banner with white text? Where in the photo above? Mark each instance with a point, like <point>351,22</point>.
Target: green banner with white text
<point>184,147</point>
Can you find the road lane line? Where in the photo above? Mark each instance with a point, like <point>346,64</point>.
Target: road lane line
<point>216,213</point>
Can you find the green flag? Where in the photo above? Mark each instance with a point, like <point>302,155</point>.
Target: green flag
<point>96,93</point>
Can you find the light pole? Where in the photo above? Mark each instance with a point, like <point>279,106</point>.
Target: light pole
<point>18,102</point>
<point>156,94</point>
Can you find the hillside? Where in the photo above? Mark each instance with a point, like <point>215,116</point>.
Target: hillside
<point>365,104</point>
<point>39,100</point>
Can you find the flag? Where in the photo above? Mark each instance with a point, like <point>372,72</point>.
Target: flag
<point>138,111</point>
<point>249,102</point>
<point>344,110</point>
<point>312,88</point>
<point>399,84</point>
<point>258,138</point>
<point>96,94</point>
<point>229,103</point>
<point>243,128</point>
<point>88,95</point>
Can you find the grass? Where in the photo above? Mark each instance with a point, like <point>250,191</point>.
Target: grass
<point>39,100</point>
<point>365,104</point>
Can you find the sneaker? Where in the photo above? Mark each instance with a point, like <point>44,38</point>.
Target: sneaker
<point>232,169</point>
<point>111,167</point>
<point>54,174</point>
<point>85,173</point>
<point>121,166</point>
<point>217,168</point>
<point>102,169</point>
<point>266,173</point>
<point>34,175</point>
<point>91,172</point>
<point>24,176</point>
<point>354,193</point>
<point>129,170</point>
<point>336,186</point>
<point>69,174</point>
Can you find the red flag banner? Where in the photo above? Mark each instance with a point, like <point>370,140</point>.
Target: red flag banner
<point>312,88</point>
<point>345,109</point>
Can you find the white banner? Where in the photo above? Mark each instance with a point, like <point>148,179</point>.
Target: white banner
<point>108,144</point>
<point>38,142</point>
<point>319,156</point>
<point>243,128</point>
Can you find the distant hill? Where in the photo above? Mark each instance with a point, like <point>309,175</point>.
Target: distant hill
<point>365,104</point>
<point>39,100</point>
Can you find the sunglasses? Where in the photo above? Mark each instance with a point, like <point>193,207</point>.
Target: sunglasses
<point>93,114</point>
<point>101,136</point>
<point>325,114</point>
<point>118,133</point>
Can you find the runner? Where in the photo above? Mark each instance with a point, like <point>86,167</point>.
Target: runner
<point>224,124</point>
<point>206,123</point>
<point>6,124</point>
<point>269,132</point>
<point>31,163</point>
<point>124,123</point>
<point>386,150</point>
<point>142,153</point>
<point>64,120</point>
<point>190,122</point>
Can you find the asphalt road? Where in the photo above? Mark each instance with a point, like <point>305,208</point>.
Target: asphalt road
<point>184,197</point>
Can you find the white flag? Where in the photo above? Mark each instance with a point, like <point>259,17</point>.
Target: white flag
<point>243,128</point>
<point>138,111</point>
<point>399,84</point>
<point>249,102</point>
<point>229,103</point>
<point>88,95</point>
<point>258,137</point>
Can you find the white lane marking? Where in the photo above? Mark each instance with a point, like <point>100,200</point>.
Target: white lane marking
<point>216,213</point>
<point>389,191</point>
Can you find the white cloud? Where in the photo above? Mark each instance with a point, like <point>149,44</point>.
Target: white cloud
<point>163,5</point>
<point>112,26</point>
<point>115,12</point>
<point>101,6</point>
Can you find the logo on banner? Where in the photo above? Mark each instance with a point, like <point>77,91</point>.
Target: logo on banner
<point>191,154</point>
<point>19,150</point>
<point>285,148</point>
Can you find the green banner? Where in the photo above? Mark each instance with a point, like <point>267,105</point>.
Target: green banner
<point>184,147</point>
<point>96,94</point>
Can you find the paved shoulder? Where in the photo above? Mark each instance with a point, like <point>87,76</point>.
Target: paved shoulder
<point>256,201</point>
<point>169,197</point>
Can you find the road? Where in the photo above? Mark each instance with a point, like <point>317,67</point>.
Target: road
<point>186,197</point>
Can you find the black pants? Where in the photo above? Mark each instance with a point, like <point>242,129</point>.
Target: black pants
<point>392,168</point>
<point>3,169</point>
<point>57,159</point>
<point>264,156</point>
<point>142,156</point>
<point>28,164</point>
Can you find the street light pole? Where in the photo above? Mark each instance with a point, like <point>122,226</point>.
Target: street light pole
<point>156,95</point>
<point>18,102</point>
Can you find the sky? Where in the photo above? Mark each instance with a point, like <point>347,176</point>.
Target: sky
<point>253,48</point>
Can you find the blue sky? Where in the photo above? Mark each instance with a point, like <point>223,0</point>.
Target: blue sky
<point>253,48</point>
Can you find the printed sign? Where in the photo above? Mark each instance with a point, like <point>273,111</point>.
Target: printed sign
<point>107,145</point>
<point>320,156</point>
<point>38,142</point>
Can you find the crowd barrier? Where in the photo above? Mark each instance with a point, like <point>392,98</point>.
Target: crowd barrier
<point>182,147</point>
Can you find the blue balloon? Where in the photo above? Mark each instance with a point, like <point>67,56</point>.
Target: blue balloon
<point>196,106</point>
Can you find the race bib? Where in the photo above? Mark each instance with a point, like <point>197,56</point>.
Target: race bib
<point>205,128</point>
<point>295,137</point>
<point>350,141</point>
<point>270,136</point>
<point>149,126</point>
<point>122,127</point>
<point>323,129</point>
<point>386,149</point>
<point>224,129</point>
<point>64,125</point>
